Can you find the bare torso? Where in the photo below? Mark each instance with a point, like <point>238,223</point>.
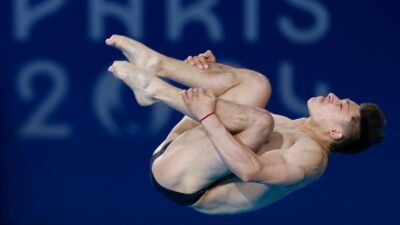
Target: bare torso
<point>192,158</point>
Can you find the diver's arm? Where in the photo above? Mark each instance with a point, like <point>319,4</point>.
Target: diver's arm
<point>240,159</point>
<point>271,168</point>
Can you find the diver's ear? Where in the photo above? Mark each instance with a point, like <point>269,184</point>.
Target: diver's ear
<point>337,135</point>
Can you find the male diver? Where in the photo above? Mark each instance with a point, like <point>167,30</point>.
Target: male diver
<point>228,154</point>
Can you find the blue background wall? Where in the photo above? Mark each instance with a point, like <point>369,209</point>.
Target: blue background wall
<point>75,146</point>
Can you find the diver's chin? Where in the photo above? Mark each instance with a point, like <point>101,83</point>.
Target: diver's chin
<point>310,100</point>
<point>310,104</point>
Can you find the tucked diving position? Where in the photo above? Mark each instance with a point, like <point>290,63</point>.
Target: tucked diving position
<point>228,154</point>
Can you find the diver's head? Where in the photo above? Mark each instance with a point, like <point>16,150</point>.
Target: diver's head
<point>347,126</point>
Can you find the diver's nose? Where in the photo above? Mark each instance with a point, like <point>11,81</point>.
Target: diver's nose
<point>332,97</point>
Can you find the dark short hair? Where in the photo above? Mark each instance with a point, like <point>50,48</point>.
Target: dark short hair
<point>362,132</point>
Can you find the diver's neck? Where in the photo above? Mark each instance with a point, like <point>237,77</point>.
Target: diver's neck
<point>310,128</point>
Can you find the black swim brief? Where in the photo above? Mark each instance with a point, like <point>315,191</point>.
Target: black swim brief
<point>178,197</point>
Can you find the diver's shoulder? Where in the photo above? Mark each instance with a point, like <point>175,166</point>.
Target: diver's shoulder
<point>311,157</point>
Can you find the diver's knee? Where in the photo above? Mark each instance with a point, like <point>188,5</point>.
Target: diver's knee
<point>265,122</point>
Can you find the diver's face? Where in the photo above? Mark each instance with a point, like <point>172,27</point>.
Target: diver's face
<point>331,110</point>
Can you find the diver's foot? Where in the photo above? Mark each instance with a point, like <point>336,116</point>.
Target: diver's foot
<point>137,53</point>
<point>140,81</point>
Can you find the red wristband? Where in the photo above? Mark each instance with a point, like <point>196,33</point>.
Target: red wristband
<point>206,116</point>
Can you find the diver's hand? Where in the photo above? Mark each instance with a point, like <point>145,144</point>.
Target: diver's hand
<point>201,61</point>
<point>199,102</point>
